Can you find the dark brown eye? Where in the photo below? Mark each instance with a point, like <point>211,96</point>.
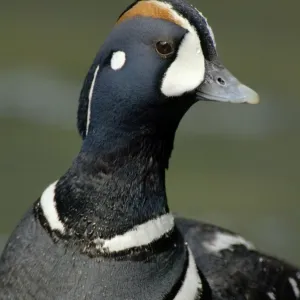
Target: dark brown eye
<point>164,49</point>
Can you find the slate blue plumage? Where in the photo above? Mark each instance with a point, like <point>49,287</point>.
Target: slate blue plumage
<point>104,230</point>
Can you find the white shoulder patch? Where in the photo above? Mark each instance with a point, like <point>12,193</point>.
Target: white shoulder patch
<point>295,287</point>
<point>225,241</point>
<point>118,60</point>
<point>271,295</point>
<point>48,207</point>
<point>140,235</point>
<point>192,283</point>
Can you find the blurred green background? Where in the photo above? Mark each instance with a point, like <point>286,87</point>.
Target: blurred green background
<point>234,165</point>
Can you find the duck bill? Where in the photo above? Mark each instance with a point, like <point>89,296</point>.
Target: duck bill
<point>220,85</point>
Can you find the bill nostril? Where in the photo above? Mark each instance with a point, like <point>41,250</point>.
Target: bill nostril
<point>221,81</point>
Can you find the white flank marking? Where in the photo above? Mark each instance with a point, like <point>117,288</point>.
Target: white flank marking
<point>192,283</point>
<point>295,287</point>
<point>88,118</point>
<point>271,295</point>
<point>140,235</point>
<point>48,207</point>
<point>118,60</point>
<point>224,241</point>
<point>188,69</point>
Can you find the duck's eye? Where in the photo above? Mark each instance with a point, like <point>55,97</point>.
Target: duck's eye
<point>164,49</point>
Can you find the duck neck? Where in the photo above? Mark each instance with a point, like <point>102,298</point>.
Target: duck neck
<point>113,200</point>
<point>113,189</point>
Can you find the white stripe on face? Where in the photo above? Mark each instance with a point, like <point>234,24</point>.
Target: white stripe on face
<point>88,118</point>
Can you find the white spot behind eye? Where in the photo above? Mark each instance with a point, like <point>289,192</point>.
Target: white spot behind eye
<point>118,60</point>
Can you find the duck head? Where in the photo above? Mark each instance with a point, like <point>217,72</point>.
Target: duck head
<point>159,59</point>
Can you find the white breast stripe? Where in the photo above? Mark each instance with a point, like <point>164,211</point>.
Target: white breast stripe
<point>48,207</point>
<point>225,241</point>
<point>192,284</point>
<point>88,118</point>
<point>140,235</point>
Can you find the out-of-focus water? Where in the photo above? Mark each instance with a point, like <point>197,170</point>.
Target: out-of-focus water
<point>233,165</point>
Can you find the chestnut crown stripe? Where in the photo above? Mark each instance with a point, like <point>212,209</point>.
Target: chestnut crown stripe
<point>185,15</point>
<point>153,9</point>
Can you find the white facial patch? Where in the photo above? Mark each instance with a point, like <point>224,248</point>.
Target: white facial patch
<point>192,283</point>
<point>118,60</point>
<point>88,118</point>
<point>48,207</point>
<point>140,235</point>
<point>188,69</point>
<point>225,241</point>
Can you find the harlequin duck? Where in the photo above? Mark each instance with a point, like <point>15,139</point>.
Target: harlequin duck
<point>103,230</point>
